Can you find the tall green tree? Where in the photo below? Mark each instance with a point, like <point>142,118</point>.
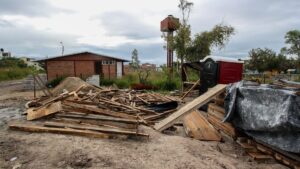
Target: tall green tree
<point>182,39</point>
<point>135,62</point>
<point>262,60</point>
<point>204,42</point>
<point>292,39</point>
<point>267,60</point>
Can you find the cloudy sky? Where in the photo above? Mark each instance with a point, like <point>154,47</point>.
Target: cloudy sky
<point>36,27</point>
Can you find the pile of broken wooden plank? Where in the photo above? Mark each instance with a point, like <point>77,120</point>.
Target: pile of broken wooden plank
<point>209,126</point>
<point>94,112</point>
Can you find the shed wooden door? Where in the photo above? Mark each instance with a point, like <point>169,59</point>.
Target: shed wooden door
<point>98,68</point>
<point>119,69</point>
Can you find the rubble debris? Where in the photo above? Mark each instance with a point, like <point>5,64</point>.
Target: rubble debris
<point>86,110</point>
<point>44,111</point>
<point>196,103</point>
<point>215,116</point>
<point>256,149</point>
<point>197,127</point>
<point>266,113</point>
<point>192,88</point>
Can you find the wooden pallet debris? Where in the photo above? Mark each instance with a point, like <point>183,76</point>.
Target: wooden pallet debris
<point>215,116</point>
<point>98,111</point>
<point>42,129</point>
<point>44,111</point>
<point>196,103</point>
<point>196,126</point>
<point>192,88</point>
<point>261,152</point>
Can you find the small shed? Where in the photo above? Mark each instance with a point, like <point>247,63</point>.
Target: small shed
<point>84,65</point>
<point>219,70</point>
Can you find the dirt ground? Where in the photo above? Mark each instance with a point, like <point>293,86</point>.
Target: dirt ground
<point>25,150</point>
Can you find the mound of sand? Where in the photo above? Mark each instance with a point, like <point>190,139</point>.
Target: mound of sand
<point>71,84</point>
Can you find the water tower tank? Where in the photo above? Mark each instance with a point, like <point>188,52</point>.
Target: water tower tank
<point>169,24</point>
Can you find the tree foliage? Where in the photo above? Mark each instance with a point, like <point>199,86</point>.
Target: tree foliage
<point>292,39</point>
<point>204,42</point>
<point>12,62</point>
<point>135,62</point>
<point>267,60</point>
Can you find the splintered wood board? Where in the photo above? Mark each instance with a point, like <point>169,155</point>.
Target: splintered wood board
<point>198,127</point>
<point>215,118</point>
<point>41,129</point>
<point>44,111</point>
<point>196,103</point>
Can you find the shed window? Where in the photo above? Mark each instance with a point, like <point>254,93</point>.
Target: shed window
<point>108,62</point>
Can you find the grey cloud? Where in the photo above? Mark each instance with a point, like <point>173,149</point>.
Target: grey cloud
<point>25,40</point>
<point>125,24</point>
<point>153,53</point>
<point>258,23</point>
<point>30,8</point>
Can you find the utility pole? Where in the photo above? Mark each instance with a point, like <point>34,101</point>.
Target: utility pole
<point>62,48</point>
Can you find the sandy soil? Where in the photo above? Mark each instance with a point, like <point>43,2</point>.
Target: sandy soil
<point>160,151</point>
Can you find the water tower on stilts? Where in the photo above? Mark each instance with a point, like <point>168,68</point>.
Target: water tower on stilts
<point>169,25</point>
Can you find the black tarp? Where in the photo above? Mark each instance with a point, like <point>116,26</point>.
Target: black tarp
<point>266,113</point>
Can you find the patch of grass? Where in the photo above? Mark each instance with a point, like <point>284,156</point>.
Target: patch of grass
<point>13,73</point>
<point>160,81</point>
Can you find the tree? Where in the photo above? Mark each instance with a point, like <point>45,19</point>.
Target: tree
<point>182,39</point>
<point>267,60</point>
<point>292,38</point>
<point>135,63</point>
<point>204,42</point>
<point>194,49</point>
<point>262,60</point>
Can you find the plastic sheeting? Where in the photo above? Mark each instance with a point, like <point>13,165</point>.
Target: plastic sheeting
<point>266,113</point>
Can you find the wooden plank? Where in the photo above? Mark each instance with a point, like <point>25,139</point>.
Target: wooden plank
<point>216,119</point>
<point>111,124</point>
<point>259,156</point>
<point>128,107</point>
<point>94,128</point>
<point>44,111</point>
<point>217,108</point>
<point>99,117</point>
<point>99,111</point>
<point>192,88</point>
<point>41,129</point>
<point>196,103</point>
<point>161,115</point>
<point>41,86</point>
<point>226,127</point>
<point>44,85</point>
<point>199,128</point>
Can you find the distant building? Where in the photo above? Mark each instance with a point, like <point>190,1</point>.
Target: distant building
<point>128,69</point>
<point>149,66</point>
<point>31,62</point>
<point>4,54</point>
<point>84,65</point>
<point>292,71</point>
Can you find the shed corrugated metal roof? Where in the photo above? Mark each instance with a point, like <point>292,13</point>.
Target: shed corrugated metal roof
<point>85,52</point>
<point>222,58</point>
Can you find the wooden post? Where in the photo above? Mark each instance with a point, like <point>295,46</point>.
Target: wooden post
<point>34,90</point>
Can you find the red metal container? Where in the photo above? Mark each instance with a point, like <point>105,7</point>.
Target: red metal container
<point>219,70</point>
<point>230,72</point>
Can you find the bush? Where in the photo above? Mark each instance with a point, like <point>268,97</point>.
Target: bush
<point>122,83</point>
<point>106,82</point>
<point>156,81</point>
<point>55,82</point>
<point>15,73</point>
